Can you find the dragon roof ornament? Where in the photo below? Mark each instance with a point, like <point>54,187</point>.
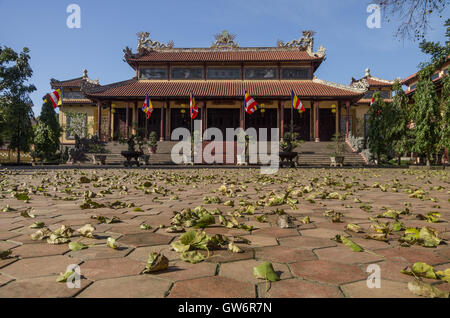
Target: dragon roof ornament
<point>224,40</point>
<point>305,42</point>
<point>145,44</point>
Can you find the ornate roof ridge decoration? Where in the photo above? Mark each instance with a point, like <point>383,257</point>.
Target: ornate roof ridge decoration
<point>341,86</point>
<point>364,82</point>
<point>145,44</point>
<point>55,81</point>
<point>224,41</point>
<point>89,89</point>
<point>381,80</point>
<point>88,80</point>
<point>305,42</point>
<point>361,83</point>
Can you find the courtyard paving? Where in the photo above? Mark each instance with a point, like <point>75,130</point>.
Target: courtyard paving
<point>305,255</point>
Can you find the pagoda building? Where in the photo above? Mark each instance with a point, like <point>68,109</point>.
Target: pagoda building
<point>357,119</point>
<point>218,76</point>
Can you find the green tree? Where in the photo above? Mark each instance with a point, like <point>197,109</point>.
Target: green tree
<point>445,106</point>
<point>47,132</point>
<point>377,123</point>
<point>413,16</point>
<point>426,115</point>
<point>15,103</point>
<point>398,132</point>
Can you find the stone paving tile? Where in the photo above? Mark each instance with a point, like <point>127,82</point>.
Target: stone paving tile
<point>144,239</point>
<point>42,287</point>
<point>141,253</point>
<point>344,254</point>
<point>283,254</point>
<point>259,240</point>
<point>270,242</point>
<point>127,287</point>
<point>129,229</point>
<point>388,289</point>
<point>297,288</point>
<point>224,255</point>
<point>243,270</point>
<point>412,255</point>
<point>39,266</point>
<point>4,279</point>
<point>97,269</point>
<point>322,233</point>
<point>4,245</point>
<point>306,242</point>
<point>276,232</point>
<point>99,252</point>
<point>38,250</point>
<point>179,270</point>
<point>5,262</point>
<point>327,271</point>
<point>213,287</point>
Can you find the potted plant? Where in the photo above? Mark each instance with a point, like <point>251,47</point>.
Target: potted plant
<point>289,143</point>
<point>141,143</point>
<point>131,153</point>
<point>152,143</point>
<point>338,149</point>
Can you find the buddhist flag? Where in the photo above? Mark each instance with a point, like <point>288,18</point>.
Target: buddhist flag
<point>296,103</point>
<point>251,105</point>
<point>55,98</point>
<point>193,106</point>
<point>147,107</point>
<point>372,101</point>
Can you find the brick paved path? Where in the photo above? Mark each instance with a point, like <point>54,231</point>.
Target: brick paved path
<point>309,262</point>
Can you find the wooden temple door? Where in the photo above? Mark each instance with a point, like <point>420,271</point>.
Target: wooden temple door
<point>120,128</point>
<point>301,123</point>
<point>259,119</point>
<point>327,124</point>
<point>153,124</point>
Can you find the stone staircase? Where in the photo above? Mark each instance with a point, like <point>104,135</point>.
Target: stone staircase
<point>310,154</point>
<point>318,154</point>
<point>162,155</point>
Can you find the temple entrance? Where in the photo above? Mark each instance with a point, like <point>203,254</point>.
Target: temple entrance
<point>266,119</point>
<point>120,119</point>
<point>327,124</point>
<point>180,117</point>
<point>301,123</point>
<point>146,126</point>
<point>223,118</point>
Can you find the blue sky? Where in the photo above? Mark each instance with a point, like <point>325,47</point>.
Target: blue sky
<point>107,27</point>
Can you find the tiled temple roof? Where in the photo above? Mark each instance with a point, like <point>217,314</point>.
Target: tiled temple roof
<point>224,88</point>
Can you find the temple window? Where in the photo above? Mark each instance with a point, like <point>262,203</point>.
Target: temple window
<point>153,73</point>
<point>221,73</point>
<point>73,95</point>
<point>295,73</point>
<point>76,124</point>
<point>187,73</point>
<point>260,73</point>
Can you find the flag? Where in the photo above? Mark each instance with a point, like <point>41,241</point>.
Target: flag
<point>55,98</point>
<point>251,105</point>
<point>372,101</point>
<point>193,106</point>
<point>296,103</point>
<point>147,107</point>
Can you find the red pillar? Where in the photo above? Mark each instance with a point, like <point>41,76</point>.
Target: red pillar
<point>127,120</point>
<point>316,108</point>
<point>99,119</point>
<point>242,117</point>
<point>109,121</point>
<point>161,131</point>
<point>281,108</point>
<point>347,123</point>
